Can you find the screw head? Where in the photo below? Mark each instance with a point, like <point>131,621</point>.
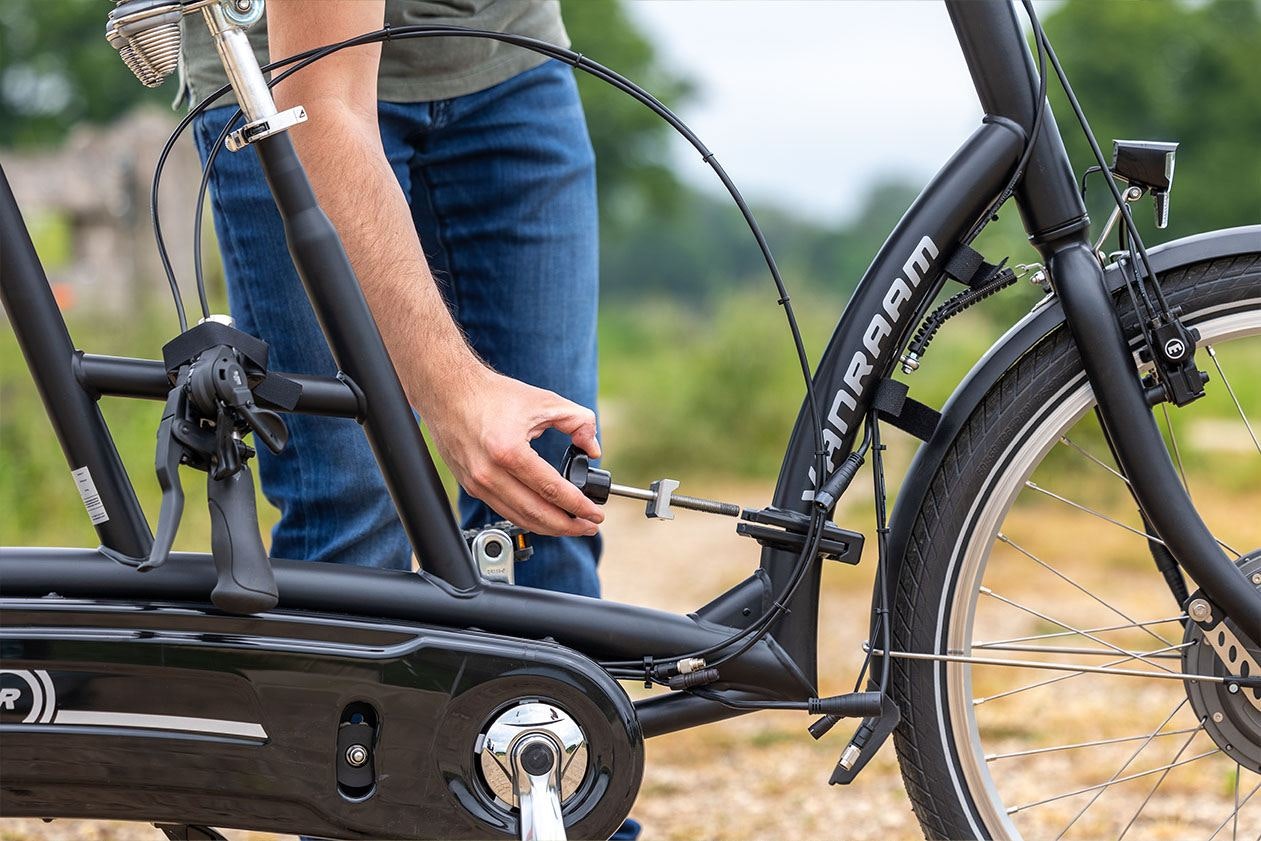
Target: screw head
<point>1256,578</point>
<point>356,756</point>
<point>1218,718</point>
<point>1232,688</point>
<point>537,759</point>
<point>1200,610</point>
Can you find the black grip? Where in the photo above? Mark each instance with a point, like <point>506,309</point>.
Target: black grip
<point>246,583</point>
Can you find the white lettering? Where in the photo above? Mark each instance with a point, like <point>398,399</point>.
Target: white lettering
<point>9,698</point>
<point>858,368</point>
<point>899,293</point>
<point>877,330</point>
<point>917,265</point>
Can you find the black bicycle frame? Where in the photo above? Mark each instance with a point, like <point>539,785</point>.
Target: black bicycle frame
<point>896,290</point>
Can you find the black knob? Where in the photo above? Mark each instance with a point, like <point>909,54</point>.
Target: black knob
<point>592,481</point>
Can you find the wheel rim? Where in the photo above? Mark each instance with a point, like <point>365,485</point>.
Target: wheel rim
<point>999,782</point>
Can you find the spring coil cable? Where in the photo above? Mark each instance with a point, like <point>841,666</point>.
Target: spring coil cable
<point>146,34</point>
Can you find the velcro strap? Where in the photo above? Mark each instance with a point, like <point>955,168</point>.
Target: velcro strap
<point>278,391</point>
<point>967,266</point>
<point>907,414</point>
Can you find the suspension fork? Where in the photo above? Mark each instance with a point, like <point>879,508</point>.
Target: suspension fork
<point>1077,278</point>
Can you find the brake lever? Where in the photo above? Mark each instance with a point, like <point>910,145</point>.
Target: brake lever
<point>167,460</point>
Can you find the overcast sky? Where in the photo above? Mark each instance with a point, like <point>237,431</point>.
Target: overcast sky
<point>808,102</point>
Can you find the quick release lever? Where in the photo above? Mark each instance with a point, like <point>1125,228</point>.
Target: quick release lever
<point>597,485</point>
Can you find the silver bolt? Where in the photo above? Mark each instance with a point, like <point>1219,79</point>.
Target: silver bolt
<point>1256,578</point>
<point>1218,718</point>
<point>243,5</point>
<point>1134,194</point>
<point>1200,611</point>
<point>1232,688</point>
<point>357,756</point>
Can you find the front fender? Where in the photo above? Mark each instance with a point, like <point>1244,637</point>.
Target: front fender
<point>1042,320</point>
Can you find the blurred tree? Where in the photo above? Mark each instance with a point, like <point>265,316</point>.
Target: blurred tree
<point>631,143</point>
<point>1169,70</point>
<point>57,70</point>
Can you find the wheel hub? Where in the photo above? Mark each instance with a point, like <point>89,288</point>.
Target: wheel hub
<point>1231,713</point>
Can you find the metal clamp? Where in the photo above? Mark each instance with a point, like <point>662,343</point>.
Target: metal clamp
<point>266,127</point>
<point>495,555</point>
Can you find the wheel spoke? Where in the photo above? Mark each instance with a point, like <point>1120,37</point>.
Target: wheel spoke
<point>1064,439</point>
<point>1161,654</point>
<point>1122,614</point>
<point>994,757</point>
<point>1031,611</point>
<point>1177,451</point>
<point>1125,765</point>
<point>1244,417</point>
<point>1092,512</point>
<point>1239,804</point>
<point>1161,779</point>
<point>1104,629</point>
<point>1104,786</point>
<point>1077,671</point>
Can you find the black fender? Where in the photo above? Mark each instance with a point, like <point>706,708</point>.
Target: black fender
<point>1044,318</point>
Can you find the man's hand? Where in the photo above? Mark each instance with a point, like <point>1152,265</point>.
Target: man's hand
<point>483,429</point>
<point>483,422</point>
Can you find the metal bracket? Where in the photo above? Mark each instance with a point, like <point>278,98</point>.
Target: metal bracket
<point>266,127</point>
<point>1230,650</point>
<point>495,555</point>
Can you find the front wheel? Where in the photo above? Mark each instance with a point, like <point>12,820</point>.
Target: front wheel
<point>1071,708</point>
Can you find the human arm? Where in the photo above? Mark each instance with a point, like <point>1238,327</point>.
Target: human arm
<point>481,421</point>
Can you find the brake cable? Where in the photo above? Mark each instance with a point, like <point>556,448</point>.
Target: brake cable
<point>817,517</point>
<point>1177,376</point>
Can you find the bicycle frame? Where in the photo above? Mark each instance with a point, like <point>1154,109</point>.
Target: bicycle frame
<point>901,283</point>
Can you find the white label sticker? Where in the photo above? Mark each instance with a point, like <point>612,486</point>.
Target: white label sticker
<point>91,499</point>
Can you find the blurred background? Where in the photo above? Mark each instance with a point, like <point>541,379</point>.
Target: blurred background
<point>831,116</point>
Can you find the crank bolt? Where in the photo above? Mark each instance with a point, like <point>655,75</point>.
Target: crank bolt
<point>1200,611</point>
<point>356,756</point>
<point>537,758</point>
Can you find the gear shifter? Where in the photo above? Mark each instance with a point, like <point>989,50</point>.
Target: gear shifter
<point>208,410</point>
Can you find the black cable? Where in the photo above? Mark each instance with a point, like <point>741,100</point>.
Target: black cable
<point>882,546</point>
<point>202,188</point>
<point>597,70</point>
<point>1039,109</point>
<point>157,222</point>
<point>758,629</point>
<point>1121,204</point>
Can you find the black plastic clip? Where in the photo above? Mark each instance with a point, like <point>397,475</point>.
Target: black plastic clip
<point>779,528</point>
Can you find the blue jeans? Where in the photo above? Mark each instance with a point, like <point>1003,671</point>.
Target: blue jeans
<point>501,185</point>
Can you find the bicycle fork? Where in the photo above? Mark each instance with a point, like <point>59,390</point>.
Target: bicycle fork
<point>1077,278</point>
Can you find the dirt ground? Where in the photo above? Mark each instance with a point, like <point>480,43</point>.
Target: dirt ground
<point>762,776</point>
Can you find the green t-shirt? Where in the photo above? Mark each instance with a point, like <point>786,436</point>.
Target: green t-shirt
<point>416,70</point>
